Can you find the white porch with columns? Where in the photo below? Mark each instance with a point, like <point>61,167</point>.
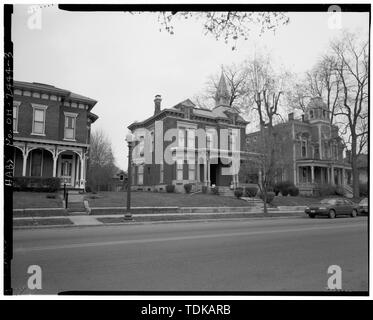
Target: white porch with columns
<point>56,151</point>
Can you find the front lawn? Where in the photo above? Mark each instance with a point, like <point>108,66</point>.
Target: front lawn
<point>24,200</point>
<point>41,222</point>
<point>161,199</point>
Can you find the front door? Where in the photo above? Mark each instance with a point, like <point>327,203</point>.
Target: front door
<point>213,174</point>
<point>66,171</point>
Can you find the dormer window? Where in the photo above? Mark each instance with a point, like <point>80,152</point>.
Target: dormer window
<point>38,121</point>
<point>70,125</point>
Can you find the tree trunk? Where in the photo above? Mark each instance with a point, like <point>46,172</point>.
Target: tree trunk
<point>355,171</point>
<point>265,210</point>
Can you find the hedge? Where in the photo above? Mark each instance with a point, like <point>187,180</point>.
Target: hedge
<point>188,187</point>
<point>170,188</point>
<point>363,190</point>
<point>251,192</point>
<point>39,184</point>
<point>293,191</point>
<point>238,192</point>
<point>286,188</point>
<point>326,190</point>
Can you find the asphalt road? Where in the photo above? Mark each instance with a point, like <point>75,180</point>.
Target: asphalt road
<point>247,255</point>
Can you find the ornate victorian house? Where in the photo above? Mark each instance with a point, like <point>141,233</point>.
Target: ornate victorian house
<point>51,129</point>
<point>209,137</point>
<point>311,150</point>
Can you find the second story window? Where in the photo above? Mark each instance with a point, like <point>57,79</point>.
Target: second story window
<point>304,148</point>
<point>152,140</point>
<point>141,146</point>
<point>209,141</point>
<point>316,152</point>
<point>181,137</point>
<point>191,138</point>
<point>335,152</point>
<point>70,125</point>
<point>39,115</point>
<point>16,105</point>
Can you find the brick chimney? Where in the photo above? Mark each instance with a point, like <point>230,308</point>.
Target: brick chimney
<point>291,116</point>
<point>157,104</point>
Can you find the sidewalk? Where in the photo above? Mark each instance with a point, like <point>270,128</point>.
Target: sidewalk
<point>110,219</point>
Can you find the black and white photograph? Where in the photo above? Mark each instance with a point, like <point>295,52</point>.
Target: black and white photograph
<point>186,150</point>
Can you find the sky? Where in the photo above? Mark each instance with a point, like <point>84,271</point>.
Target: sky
<point>122,60</point>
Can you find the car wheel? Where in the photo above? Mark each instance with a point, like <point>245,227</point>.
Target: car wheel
<point>312,216</point>
<point>332,214</point>
<point>354,213</point>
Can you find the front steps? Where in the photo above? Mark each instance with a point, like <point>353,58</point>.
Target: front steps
<point>76,204</point>
<point>225,191</point>
<point>255,202</point>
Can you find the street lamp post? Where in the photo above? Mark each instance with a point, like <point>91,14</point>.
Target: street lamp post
<point>130,140</point>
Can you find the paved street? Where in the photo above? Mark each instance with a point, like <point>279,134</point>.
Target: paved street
<point>245,255</point>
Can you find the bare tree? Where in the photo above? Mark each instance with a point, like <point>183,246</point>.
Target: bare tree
<point>101,160</point>
<point>266,89</point>
<point>322,81</point>
<point>236,78</point>
<point>352,66</point>
<point>227,25</point>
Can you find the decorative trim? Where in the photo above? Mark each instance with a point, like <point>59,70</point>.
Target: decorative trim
<point>71,114</point>
<point>54,142</point>
<point>40,106</point>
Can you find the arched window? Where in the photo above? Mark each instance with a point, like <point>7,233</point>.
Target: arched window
<point>304,148</point>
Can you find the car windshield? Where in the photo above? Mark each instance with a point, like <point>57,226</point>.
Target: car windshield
<point>328,201</point>
<point>364,201</point>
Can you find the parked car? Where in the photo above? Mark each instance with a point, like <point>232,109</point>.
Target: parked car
<point>363,206</point>
<point>332,207</point>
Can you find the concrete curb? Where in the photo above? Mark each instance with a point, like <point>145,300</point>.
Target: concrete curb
<point>158,222</point>
<point>155,214</point>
